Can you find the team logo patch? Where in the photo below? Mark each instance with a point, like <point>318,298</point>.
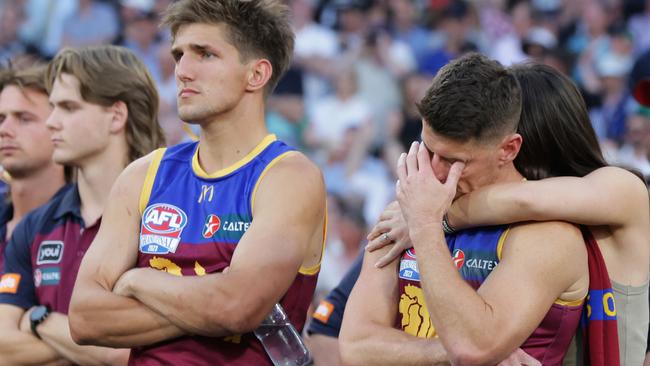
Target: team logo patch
<point>408,266</point>
<point>9,283</point>
<point>48,276</point>
<point>212,224</point>
<point>162,225</point>
<point>50,252</point>
<point>323,311</point>
<point>459,258</point>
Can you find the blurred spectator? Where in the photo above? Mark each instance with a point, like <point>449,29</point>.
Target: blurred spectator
<point>538,42</point>
<point>11,16</point>
<point>335,115</point>
<point>404,27</point>
<point>141,33</point>
<point>353,25</point>
<point>315,51</point>
<point>43,26</point>
<point>612,70</point>
<point>285,115</point>
<point>508,49</point>
<point>636,149</point>
<point>380,64</point>
<point>405,125</point>
<point>639,25</point>
<point>93,22</point>
<point>346,234</point>
<point>454,26</point>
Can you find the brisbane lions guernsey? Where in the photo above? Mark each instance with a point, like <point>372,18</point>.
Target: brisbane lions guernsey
<point>44,253</point>
<point>476,253</point>
<point>190,226</point>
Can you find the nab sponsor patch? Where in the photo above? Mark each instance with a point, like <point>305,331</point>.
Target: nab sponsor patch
<point>408,266</point>
<point>9,283</point>
<point>323,311</point>
<point>50,252</point>
<point>212,224</point>
<point>162,225</point>
<point>47,276</point>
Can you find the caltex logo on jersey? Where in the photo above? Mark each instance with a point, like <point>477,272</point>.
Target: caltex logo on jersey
<point>459,258</point>
<point>162,225</point>
<point>212,224</point>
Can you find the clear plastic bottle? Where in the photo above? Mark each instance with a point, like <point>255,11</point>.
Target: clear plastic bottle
<point>281,341</point>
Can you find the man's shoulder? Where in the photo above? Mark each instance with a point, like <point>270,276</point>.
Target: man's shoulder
<point>44,217</point>
<point>296,165</point>
<point>556,237</point>
<point>137,169</point>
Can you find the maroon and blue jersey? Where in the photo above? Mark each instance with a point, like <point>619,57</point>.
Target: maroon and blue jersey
<point>191,224</point>
<point>476,253</point>
<point>328,316</point>
<point>44,254</point>
<point>6,213</point>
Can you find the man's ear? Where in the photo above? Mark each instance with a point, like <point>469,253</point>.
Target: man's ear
<point>259,75</point>
<point>509,148</point>
<point>120,116</point>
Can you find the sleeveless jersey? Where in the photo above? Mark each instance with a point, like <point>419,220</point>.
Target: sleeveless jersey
<point>191,224</point>
<point>476,253</point>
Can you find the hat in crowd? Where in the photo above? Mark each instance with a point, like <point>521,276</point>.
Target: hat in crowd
<point>352,4</point>
<point>613,65</point>
<point>144,6</point>
<point>640,79</point>
<point>539,36</point>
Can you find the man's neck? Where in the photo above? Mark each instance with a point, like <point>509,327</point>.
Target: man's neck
<point>229,138</point>
<point>95,179</point>
<point>509,174</point>
<point>31,192</point>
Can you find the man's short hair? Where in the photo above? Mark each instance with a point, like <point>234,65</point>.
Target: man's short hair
<point>257,28</point>
<point>472,98</point>
<point>32,78</point>
<point>108,74</point>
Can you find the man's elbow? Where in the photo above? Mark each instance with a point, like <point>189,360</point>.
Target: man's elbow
<point>468,354</point>
<point>349,350</point>
<point>232,320</point>
<point>117,357</point>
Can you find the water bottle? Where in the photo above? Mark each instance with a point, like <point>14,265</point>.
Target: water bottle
<point>281,341</point>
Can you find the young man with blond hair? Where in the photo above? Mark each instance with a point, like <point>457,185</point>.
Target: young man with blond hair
<point>104,116</point>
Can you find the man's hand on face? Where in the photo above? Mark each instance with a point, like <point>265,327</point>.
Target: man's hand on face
<point>422,197</point>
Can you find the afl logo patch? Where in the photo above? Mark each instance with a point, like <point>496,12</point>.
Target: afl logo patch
<point>162,225</point>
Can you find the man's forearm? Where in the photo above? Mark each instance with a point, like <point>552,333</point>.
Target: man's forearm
<point>19,348</point>
<point>388,346</point>
<point>447,295</point>
<point>101,318</point>
<point>180,299</point>
<point>56,333</point>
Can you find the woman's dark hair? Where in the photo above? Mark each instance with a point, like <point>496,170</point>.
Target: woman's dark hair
<point>559,139</point>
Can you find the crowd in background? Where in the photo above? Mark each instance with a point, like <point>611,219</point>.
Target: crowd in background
<point>360,66</point>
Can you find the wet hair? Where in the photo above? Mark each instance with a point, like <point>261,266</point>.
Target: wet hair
<point>558,138</point>
<point>257,28</point>
<point>472,98</point>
